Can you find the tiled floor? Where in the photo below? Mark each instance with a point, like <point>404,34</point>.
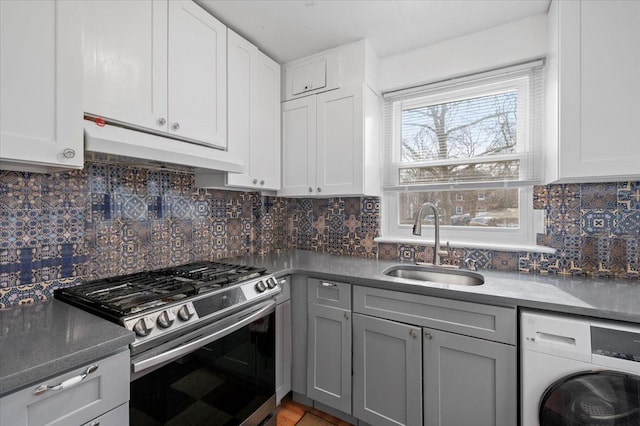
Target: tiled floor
<point>291,413</point>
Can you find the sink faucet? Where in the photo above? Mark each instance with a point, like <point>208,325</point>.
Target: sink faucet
<point>417,230</point>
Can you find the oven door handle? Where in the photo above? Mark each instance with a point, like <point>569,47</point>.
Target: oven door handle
<point>243,318</point>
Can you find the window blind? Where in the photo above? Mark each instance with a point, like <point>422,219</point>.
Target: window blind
<point>480,131</point>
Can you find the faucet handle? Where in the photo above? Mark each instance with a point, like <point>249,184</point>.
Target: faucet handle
<point>471,264</point>
<point>446,252</point>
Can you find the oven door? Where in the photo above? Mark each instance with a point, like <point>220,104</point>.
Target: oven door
<point>221,374</point>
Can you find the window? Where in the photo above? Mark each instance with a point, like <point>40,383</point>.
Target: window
<point>472,139</point>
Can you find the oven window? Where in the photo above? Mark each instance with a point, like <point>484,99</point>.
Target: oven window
<point>222,383</point>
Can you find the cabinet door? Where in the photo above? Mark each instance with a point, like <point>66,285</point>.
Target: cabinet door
<point>125,62</point>
<point>41,102</point>
<point>340,146</point>
<point>387,373</point>
<point>240,64</point>
<point>593,91</point>
<point>283,350</point>
<point>254,114</point>
<point>299,335</point>
<point>197,75</point>
<point>299,147</point>
<point>264,158</point>
<point>468,381</point>
<point>329,357</point>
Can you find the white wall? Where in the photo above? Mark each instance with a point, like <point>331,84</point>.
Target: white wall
<point>507,44</point>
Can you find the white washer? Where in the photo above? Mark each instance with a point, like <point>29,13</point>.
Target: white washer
<point>555,348</point>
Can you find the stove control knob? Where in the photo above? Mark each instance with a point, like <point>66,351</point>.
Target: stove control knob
<point>261,286</point>
<point>143,327</point>
<point>166,318</point>
<point>186,312</point>
<point>271,283</point>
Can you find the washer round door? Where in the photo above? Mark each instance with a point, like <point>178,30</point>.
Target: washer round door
<point>592,398</point>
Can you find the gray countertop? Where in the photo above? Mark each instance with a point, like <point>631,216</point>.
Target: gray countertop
<point>42,340</point>
<point>615,299</point>
<point>46,339</point>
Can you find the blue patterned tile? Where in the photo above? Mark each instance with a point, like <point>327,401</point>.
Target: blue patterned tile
<point>132,206</point>
<point>599,196</point>
<point>407,252</point>
<point>505,261</point>
<point>98,178</point>
<point>629,195</point>
<point>180,208</point>
<point>371,205</point>
<point>597,222</point>
<point>534,263</point>
<point>540,197</point>
<point>627,222</point>
<point>482,257</point>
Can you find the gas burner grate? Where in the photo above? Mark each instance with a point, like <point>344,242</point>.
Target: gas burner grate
<point>130,294</point>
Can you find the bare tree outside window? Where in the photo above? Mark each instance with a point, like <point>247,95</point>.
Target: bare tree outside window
<point>434,140</point>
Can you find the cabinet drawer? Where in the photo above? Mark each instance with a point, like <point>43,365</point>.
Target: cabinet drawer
<point>329,293</point>
<point>103,389</point>
<point>471,319</point>
<point>116,417</point>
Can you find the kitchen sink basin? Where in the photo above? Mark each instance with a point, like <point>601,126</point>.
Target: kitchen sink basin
<point>434,274</point>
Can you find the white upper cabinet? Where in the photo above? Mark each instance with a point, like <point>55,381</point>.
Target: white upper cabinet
<point>197,74</point>
<point>340,142</point>
<point>313,74</point>
<point>125,62</point>
<point>298,147</point>
<point>253,110</point>
<point>157,65</point>
<point>41,101</point>
<point>330,141</point>
<point>592,91</point>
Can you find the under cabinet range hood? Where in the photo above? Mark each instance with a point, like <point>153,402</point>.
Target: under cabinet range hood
<point>146,147</point>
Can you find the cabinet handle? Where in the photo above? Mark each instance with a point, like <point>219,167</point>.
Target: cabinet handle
<point>346,316</point>
<point>96,423</point>
<point>161,121</point>
<point>69,153</point>
<point>255,181</point>
<point>319,189</point>
<point>428,336</point>
<point>310,189</point>
<point>326,284</point>
<point>67,383</point>
<point>175,126</point>
<point>413,333</point>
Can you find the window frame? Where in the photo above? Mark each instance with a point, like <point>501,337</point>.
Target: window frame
<point>530,221</point>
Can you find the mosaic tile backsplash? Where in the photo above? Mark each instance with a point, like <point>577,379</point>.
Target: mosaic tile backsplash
<point>108,219</point>
<point>595,229</point>
<point>111,219</point>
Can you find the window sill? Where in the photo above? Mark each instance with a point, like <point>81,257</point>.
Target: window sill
<point>531,248</point>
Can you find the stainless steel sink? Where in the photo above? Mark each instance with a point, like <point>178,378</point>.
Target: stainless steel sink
<point>434,274</point>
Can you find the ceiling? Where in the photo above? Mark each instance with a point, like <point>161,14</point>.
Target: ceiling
<point>292,29</point>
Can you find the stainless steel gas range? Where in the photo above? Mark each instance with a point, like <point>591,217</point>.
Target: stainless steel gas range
<point>204,351</point>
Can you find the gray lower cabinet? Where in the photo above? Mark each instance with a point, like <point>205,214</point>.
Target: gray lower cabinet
<point>329,356</point>
<point>116,417</point>
<point>81,396</point>
<point>468,381</point>
<point>299,334</point>
<point>387,371</point>
<point>283,341</point>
